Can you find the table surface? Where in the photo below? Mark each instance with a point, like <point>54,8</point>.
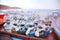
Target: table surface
<point>52,36</point>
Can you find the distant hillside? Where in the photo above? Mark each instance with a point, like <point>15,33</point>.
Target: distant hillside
<point>3,7</point>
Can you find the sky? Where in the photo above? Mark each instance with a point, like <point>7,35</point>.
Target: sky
<point>33,4</point>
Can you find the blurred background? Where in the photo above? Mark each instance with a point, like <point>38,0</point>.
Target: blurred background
<point>49,9</point>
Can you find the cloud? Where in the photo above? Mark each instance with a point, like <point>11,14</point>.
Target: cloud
<point>35,4</point>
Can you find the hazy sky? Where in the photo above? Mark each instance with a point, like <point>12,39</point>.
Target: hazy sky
<point>35,4</point>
